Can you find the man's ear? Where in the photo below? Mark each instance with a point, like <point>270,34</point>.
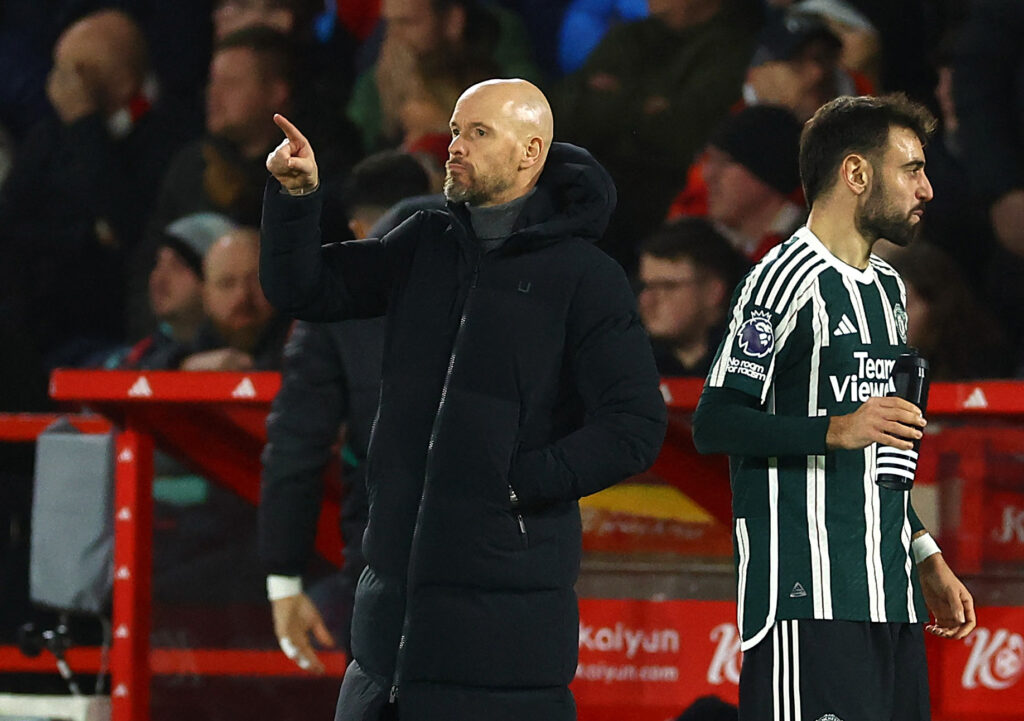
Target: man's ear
<point>453,24</point>
<point>856,173</point>
<point>533,153</point>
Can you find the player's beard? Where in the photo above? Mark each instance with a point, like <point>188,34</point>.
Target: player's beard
<point>472,189</point>
<point>879,218</point>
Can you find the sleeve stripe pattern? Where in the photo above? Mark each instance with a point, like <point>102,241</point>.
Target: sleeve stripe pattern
<point>717,375</point>
<point>808,286</point>
<point>800,284</point>
<point>761,281</point>
<point>774,278</point>
<point>783,279</point>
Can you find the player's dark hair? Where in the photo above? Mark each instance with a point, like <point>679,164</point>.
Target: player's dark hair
<point>854,125</point>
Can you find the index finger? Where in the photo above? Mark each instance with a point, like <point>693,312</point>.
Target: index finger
<point>290,131</point>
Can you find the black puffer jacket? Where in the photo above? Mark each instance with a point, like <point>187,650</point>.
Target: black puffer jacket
<point>513,384</point>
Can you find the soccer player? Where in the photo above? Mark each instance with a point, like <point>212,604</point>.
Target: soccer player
<point>835,575</point>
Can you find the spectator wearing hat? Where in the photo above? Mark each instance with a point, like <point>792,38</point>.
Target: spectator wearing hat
<point>686,276</point>
<point>752,180</point>
<point>175,292</point>
<point>861,43</point>
<point>797,65</point>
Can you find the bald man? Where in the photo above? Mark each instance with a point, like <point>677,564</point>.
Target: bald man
<point>78,198</point>
<point>99,65</point>
<point>516,379</point>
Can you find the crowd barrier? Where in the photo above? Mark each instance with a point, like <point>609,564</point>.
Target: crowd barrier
<point>644,655</point>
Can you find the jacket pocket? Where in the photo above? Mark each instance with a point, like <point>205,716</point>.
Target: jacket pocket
<point>513,500</point>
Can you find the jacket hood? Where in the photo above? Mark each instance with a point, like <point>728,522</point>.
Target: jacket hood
<point>575,197</point>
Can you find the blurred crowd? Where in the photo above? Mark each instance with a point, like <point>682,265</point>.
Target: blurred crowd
<point>133,136</point>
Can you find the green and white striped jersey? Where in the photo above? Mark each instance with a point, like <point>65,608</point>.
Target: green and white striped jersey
<point>814,536</point>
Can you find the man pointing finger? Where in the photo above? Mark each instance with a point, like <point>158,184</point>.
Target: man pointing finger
<point>516,379</point>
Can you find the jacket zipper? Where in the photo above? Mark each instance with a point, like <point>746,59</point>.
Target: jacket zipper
<point>514,500</point>
<point>396,680</point>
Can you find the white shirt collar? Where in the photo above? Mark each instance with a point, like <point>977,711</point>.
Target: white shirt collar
<point>861,276</point>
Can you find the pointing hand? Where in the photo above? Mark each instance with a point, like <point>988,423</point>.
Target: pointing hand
<point>292,162</point>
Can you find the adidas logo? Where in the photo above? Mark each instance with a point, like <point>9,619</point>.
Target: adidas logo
<point>798,591</point>
<point>845,327</point>
<point>140,389</point>
<point>977,399</point>
<point>245,389</point>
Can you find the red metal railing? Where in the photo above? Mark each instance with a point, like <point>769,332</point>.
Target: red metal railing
<point>216,422</point>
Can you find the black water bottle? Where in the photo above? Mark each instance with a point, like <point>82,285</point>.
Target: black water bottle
<point>895,468</point>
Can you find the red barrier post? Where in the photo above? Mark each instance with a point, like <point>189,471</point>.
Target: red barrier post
<point>133,566</point>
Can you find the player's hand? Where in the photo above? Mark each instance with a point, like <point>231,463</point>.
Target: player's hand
<point>948,600</point>
<point>887,420</point>
<point>295,617</point>
<point>292,162</point>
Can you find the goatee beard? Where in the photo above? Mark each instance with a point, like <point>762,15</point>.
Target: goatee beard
<point>454,192</point>
<point>880,220</point>
<point>481,193</point>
